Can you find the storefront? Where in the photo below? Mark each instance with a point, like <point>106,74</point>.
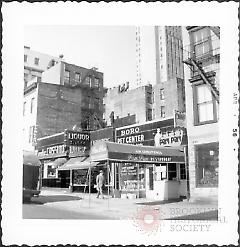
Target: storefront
<point>142,171</point>
<point>55,150</point>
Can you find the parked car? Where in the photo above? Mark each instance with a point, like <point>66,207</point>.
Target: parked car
<point>31,172</point>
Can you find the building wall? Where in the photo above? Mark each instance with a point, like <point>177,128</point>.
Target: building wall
<point>30,68</point>
<point>53,74</point>
<point>131,102</point>
<point>174,97</point>
<point>29,118</point>
<point>59,108</point>
<point>203,133</point>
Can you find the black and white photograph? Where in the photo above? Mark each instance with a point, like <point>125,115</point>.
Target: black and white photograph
<point>120,132</point>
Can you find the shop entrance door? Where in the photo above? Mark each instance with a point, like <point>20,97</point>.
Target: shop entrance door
<point>149,180</point>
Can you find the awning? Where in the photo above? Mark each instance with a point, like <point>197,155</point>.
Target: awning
<point>114,151</point>
<point>58,162</point>
<point>78,163</point>
<point>30,158</point>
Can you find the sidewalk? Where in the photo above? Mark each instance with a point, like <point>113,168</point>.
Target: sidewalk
<point>133,208</point>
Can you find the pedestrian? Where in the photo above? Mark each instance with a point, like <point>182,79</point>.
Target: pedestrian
<point>100,183</point>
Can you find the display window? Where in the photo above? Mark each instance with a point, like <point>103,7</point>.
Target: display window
<point>49,170</point>
<point>183,172</point>
<point>207,156</point>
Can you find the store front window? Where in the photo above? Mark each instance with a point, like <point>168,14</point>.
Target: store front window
<point>172,171</point>
<point>129,179</point>
<point>49,170</point>
<point>207,165</point>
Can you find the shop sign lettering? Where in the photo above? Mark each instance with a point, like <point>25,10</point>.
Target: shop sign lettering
<point>170,138</point>
<point>129,131</point>
<point>78,138</point>
<point>76,149</point>
<point>58,149</point>
<point>151,158</point>
<point>131,139</point>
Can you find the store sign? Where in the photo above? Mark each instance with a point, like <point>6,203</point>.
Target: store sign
<point>106,134</point>
<point>143,134</point>
<point>170,138</point>
<point>78,138</point>
<point>57,149</point>
<point>133,157</point>
<point>62,144</point>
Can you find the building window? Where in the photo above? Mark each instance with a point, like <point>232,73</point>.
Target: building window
<point>162,95</point>
<point>36,61</point>
<point>66,77</point>
<point>32,105</point>
<point>162,111</point>
<point>183,171</point>
<point>149,114</point>
<point>88,80</point>
<point>172,171</point>
<point>24,108</point>
<point>77,78</point>
<point>207,164</point>
<point>201,42</point>
<point>97,103</point>
<point>204,105</point>
<point>31,130</point>
<point>96,82</point>
<point>25,58</point>
<point>149,98</point>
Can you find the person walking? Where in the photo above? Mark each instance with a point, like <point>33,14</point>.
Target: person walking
<point>100,182</point>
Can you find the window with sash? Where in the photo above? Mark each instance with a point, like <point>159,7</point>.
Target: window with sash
<point>205,109</point>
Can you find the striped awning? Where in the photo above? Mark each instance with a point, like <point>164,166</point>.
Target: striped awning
<point>78,163</point>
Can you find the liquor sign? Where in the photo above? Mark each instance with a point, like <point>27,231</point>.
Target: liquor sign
<point>62,144</point>
<point>75,138</point>
<point>143,134</point>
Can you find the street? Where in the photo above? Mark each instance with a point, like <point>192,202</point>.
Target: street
<point>40,208</point>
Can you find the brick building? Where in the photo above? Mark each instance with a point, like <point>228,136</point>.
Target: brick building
<point>124,103</point>
<point>202,97</point>
<point>168,96</point>
<point>70,98</point>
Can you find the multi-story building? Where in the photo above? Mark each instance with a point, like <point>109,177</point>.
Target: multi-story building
<point>159,55</point>
<point>124,103</point>
<point>35,63</point>
<point>71,97</point>
<point>202,97</point>
<point>168,98</point>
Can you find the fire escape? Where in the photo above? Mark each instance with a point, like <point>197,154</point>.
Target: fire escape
<point>196,64</point>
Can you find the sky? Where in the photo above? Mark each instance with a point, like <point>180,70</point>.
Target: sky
<point>109,48</point>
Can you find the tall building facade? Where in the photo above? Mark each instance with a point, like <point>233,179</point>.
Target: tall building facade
<point>202,98</point>
<point>159,55</point>
<point>35,63</point>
